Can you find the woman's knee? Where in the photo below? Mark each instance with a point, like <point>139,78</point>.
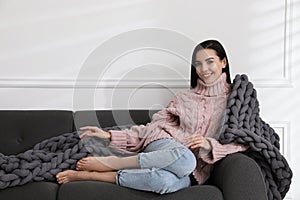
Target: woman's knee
<point>189,161</point>
<point>184,164</point>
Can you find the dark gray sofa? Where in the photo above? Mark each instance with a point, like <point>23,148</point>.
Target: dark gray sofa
<point>236,177</point>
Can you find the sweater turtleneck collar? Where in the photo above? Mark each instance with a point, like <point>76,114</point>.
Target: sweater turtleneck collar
<point>219,87</point>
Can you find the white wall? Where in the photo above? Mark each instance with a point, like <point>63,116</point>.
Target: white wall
<point>49,54</point>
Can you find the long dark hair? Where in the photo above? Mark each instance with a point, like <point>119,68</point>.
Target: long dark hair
<point>209,44</point>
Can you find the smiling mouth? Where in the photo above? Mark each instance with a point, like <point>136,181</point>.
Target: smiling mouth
<point>207,75</point>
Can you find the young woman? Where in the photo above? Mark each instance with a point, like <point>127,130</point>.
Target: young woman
<point>180,141</point>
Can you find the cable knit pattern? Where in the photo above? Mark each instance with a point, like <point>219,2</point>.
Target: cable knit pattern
<point>193,111</point>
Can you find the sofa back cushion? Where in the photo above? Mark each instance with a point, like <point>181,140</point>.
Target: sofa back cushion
<point>107,118</point>
<point>20,130</point>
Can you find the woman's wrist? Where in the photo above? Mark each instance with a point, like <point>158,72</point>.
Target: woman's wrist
<point>208,146</point>
<point>108,134</point>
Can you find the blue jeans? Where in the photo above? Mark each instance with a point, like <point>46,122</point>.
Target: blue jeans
<point>163,167</point>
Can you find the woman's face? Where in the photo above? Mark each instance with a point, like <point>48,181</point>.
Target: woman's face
<point>208,65</point>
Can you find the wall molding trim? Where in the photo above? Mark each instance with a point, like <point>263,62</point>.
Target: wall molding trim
<point>93,84</point>
<point>286,80</point>
<point>282,128</point>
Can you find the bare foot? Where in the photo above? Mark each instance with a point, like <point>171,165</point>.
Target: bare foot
<point>71,175</point>
<point>93,164</point>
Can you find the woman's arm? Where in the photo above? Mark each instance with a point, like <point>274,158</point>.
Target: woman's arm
<point>132,139</point>
<point>219,151</point>
<point>94,132</point>
<point>210,150</point>
<point>127,139</point>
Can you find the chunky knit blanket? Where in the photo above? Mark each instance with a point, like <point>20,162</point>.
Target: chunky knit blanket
<point>242,124</point>
<point>52,156</point>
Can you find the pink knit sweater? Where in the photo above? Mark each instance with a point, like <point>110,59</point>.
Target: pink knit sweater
<point>192,111</point>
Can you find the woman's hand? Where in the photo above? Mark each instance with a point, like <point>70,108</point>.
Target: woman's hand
<point>197,141</point>
<point>95,132</point>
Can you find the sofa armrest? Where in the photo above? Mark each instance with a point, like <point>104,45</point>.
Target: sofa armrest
<point>239,178</point>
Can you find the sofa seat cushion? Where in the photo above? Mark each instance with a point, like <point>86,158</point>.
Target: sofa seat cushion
<point>31,191</point>
<point>89,190</point>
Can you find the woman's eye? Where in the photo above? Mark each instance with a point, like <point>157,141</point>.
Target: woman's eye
<point>197,64</point>
<point>210,62</point>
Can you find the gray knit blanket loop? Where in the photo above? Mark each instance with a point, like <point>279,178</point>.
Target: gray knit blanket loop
<point>243,125</point>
